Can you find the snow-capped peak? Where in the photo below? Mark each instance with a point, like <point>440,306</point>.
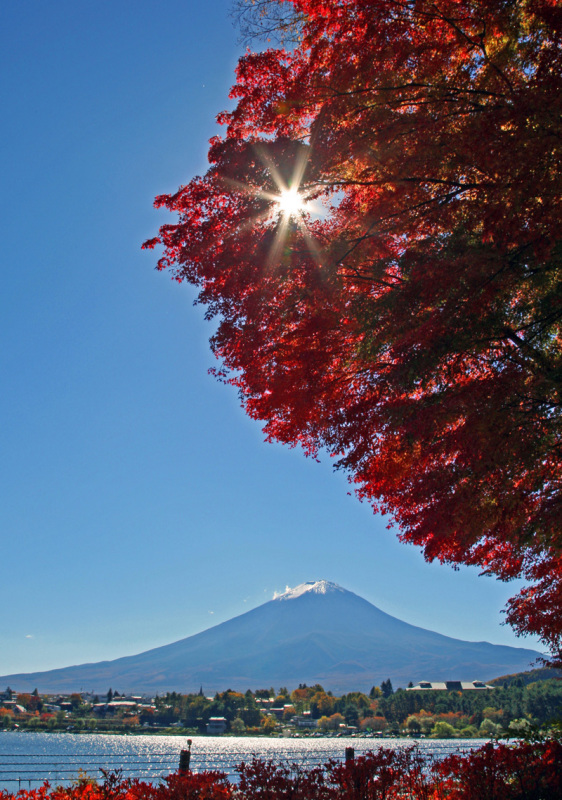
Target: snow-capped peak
<point>315,587</point>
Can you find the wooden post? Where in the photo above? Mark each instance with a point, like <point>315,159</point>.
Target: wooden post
<point>185,758</point>
<point>349,754</point>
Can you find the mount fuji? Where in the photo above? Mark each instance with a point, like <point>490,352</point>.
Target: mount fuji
<point>317,632</point>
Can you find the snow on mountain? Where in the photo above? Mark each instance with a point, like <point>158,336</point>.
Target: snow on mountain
<point>315,587</point>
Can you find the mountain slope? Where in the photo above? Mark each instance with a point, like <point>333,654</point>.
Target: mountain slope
<point>316,633</point>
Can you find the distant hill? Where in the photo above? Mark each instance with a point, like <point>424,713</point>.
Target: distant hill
<point>315,633</point>
<point>527,677</point>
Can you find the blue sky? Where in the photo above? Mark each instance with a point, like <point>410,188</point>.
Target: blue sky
<point>138,504</point>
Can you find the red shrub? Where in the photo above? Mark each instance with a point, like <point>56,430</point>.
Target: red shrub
<point>267,780</point>
<point>504,772</point>
<point>383,774</point>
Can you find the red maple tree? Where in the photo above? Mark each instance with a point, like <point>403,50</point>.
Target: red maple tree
<point>408,318</point>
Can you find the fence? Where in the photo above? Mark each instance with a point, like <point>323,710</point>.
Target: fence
<point>25,771</point>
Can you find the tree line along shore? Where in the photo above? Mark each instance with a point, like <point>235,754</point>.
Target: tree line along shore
<point>509,706</point>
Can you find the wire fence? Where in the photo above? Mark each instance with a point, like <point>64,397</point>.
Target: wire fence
<point>26,771</point>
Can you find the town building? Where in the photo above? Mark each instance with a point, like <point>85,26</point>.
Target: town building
<point>449,686</point>
<point>216,725</point>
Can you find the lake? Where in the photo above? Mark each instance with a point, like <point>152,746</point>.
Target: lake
<point>27,758</point>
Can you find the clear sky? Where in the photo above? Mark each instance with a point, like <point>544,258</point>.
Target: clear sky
<point>138,504</point>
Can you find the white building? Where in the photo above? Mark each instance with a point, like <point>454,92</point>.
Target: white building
<point>448,686</point>
<point>216,725</point>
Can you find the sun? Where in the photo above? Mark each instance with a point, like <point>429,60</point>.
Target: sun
<point>290,202</point>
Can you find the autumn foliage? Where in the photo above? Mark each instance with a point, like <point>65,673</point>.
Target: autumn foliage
<point>412,327</point>
<point>494,772</point>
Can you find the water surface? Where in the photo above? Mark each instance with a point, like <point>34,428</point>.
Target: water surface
<point>29,758</point>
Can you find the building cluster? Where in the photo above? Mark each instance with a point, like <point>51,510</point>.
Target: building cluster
<point>21,707</point>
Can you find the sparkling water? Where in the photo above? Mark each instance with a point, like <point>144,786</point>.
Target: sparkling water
<point>27,759</point>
